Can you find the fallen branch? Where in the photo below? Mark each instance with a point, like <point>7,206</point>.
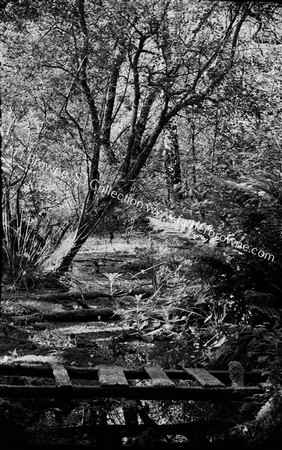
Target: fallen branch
<point>89,295</point>
<point>91,315</point>
<point>71,296</point>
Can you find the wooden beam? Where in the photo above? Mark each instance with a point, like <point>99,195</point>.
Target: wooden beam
<point>130,413</point>
<point>158,376</point>
<point>204,378</point>
<point>204,427</point>
<point>133,392</point>
<point>112,376</point>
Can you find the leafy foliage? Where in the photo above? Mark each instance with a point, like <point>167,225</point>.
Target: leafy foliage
<point>177,102</point>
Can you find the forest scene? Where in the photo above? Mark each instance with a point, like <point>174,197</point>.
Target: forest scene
<point>141,224</point>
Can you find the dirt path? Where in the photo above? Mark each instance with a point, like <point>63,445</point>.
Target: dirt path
<point>103,266</point>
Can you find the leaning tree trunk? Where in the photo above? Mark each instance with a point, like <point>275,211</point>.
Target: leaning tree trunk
<point>92,215</point>
<point>88,222</point>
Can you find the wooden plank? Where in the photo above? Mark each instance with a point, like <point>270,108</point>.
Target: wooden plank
<point>158,376</point>
<point>112,376</point>
<point>61,375</point>
<point>204,378</point>
<point>236,374</point>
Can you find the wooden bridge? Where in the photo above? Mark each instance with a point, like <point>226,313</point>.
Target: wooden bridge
<point>145,383</point>
<point>69,383</point>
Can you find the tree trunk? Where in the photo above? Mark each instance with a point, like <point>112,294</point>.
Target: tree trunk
<point>88,221</point>
<point>172,159</point>
<point>86,225</point>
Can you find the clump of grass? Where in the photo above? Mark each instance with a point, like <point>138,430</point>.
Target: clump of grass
<point>26,244</point>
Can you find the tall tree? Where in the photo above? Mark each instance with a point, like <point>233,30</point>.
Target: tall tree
<point>112,78</point>
<point>160,85</point>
